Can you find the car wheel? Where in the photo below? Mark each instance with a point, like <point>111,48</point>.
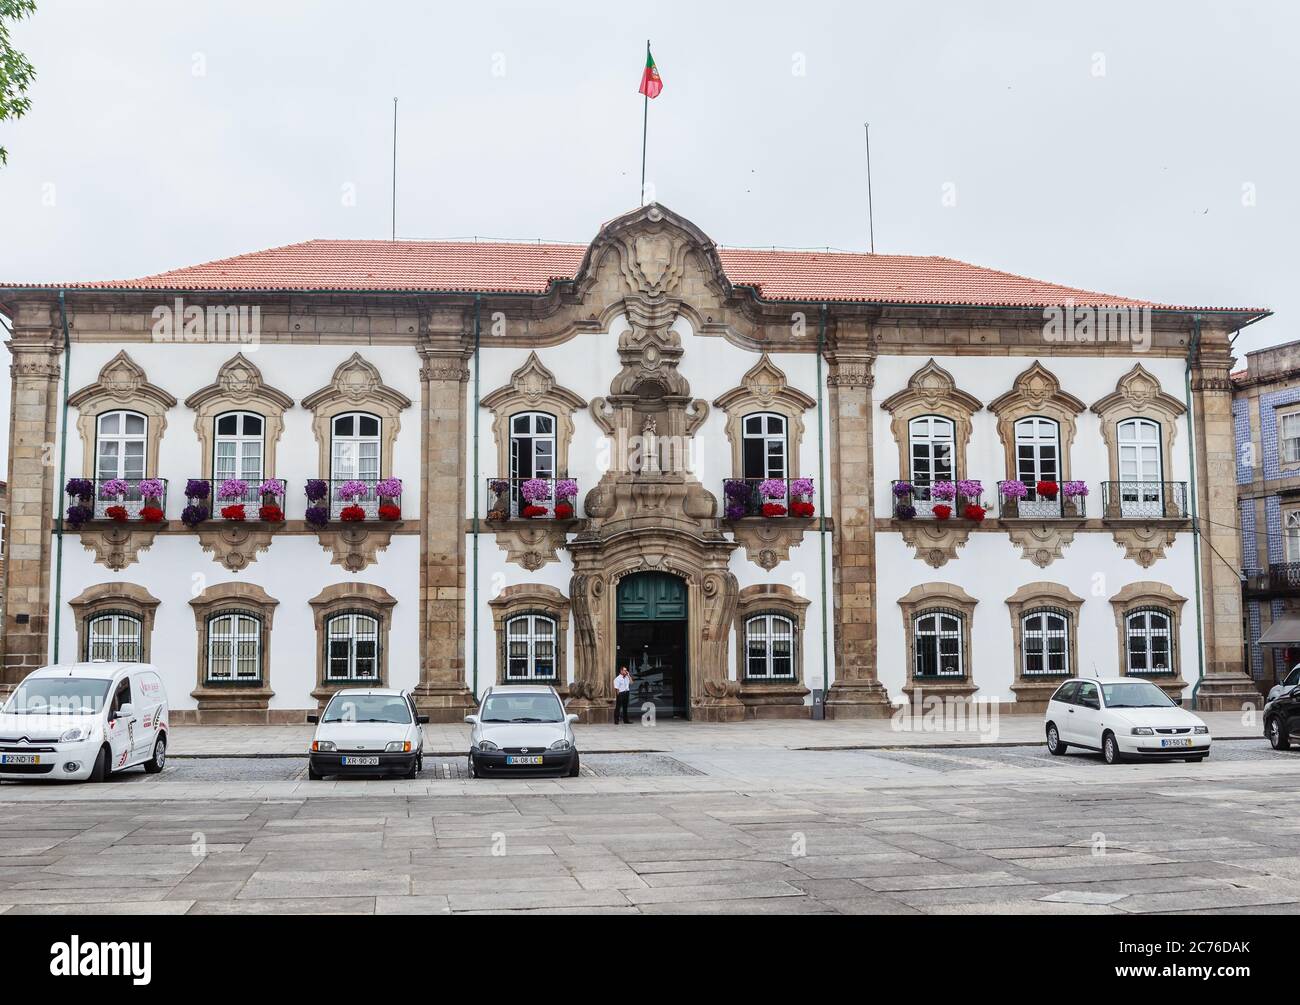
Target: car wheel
<point>574,767</point>
<point>1054,744</point>
<point>1110,749</point>
<point>313,774</point>
<point>155,764</point>
<point>473,768</point>
<point>100,771</point>
<point>416,768</point>
<point>1277,736</point>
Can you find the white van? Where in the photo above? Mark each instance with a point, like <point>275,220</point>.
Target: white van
<point>83,721</point>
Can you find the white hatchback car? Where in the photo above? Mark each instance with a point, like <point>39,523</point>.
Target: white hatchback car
<point>522,729</point>
<point>368,731</point>
<point>1123,717</point>
<point>83,721</point>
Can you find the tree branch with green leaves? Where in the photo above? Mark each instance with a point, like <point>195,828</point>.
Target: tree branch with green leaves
<point>16,72</point>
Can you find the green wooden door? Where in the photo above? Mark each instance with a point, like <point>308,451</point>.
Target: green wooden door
<point>651,596</point>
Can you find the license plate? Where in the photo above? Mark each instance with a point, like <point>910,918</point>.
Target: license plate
<point>361,762</point>
<point>1175,743</point>
<point>523,759</point>
<point>20,758</point>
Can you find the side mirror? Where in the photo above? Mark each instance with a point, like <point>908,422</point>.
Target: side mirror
<point>423,720</point>
<point>472,720</point>
<point>125,712</point>
<point>571,717</point>
<point>313,718</point>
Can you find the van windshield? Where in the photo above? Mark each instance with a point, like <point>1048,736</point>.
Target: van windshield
<point>59,696</point>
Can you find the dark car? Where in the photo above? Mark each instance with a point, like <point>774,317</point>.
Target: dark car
<point>1282,719</point>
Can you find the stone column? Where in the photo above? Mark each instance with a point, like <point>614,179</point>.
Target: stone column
<point>1226,686</point>
<point>856,692</point>
<point>442,693</point>
<point>36,347</point>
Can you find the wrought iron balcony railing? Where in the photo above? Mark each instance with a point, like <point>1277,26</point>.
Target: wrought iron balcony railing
<point>768,497</point>
<point>1136,500</point>
<point>1041,500</point>
<point>1278,578</point>
<point>353,499</point>
<point>532,499</point>
<point>942,500</point>
<point>234,499</point>
<point>119,499</point>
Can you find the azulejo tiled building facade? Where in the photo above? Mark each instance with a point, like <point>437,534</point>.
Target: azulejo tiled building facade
<point>750,475</point>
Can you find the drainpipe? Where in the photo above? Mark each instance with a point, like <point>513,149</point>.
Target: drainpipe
<point>478,301</point>
<point>821,527</point>
<point>1192,350</point>
<point>63,461</point>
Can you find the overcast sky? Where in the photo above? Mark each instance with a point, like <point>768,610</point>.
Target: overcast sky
<point>1146,149</point>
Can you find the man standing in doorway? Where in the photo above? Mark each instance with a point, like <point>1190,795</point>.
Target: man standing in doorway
<point>622,691</point>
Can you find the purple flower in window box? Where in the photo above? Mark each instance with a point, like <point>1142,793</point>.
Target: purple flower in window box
<point>151,489</point>
<point>736,488</point>
<point>77,515</point>
<point>233,488</point>
<point>566,488</point>
<point>1074,489</point>
<point>905,511</point>
<point>81,488</point>
<point>772,488</point>
<point>194,514</point>
<point>1013,490</point>
<point>198,488</point>
<point>271,487</point>
<point>317,516</point>
<point>801,488</point>
<point>535,490</point>
<point>735,511</point>
<point>388,488</point>
<point>499,486</point>
<point>943,490</point>
<point>903,489</point>
<point>970,488</point>
<point>114,488</point>
<point>316,489</point>
<point>352,490</point>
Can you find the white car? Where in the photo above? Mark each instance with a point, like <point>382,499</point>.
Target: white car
<point>84,721</point>
<point>1123,717</point>
<point>1285,685</point>
<point>522,729</point>
<point>367,731</point>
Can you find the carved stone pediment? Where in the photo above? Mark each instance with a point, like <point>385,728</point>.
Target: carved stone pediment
<point>935,542</point>
<point>235,544</point>
<point>531,544</point>
<point>1041,542</point>
<point>932,390</point>
<point>356,546</point>
<point>118,545</point>
<point>1145,543</point>
<point>767,543</point>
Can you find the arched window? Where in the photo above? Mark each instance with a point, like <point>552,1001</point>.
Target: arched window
<point>769,647</point>
<point>354,447</point>
<point>1140,468</point>
<point>120,439</point>
<point>238,447</point>
<point>234,648</point>
<point>1149,642</point>
<point>1045,642</point>
<point>930,445</point>
<point>352,647</point>
<point>530,648</point>
<point>937,638</point>
<point>532,445</point>
<point>114,636</point>
<point>1038,451</point>
<point>764,449</point>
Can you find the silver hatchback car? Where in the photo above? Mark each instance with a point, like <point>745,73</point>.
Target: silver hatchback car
<point>522,729</point>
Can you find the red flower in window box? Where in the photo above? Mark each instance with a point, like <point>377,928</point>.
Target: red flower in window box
<point>802,508</point>
<point>270,513</point>
<point>942,512</point>
<point>973,512</point>
<point>772,509</point>
<point>235,512</point>
<point>117,513</point>
<point>352,513</point>
<point>563,511</point>
<point>1047,490</point>
<point>390,512</point>
<point>151,514</point>
<point>530,511</point>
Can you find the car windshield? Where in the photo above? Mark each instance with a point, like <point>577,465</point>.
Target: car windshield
<point>1138,694</point>
<point>539,707</point>
<point>368,708</point>
<point>59,696</point>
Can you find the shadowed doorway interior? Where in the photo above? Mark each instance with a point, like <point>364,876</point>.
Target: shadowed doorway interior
<point>652,642</point>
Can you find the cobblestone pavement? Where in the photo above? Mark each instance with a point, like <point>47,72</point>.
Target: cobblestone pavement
<point>727,831</point>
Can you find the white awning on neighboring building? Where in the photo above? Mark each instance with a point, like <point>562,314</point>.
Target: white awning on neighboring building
<point>1285,631</point>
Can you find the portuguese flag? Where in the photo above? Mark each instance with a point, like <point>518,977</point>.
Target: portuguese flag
<point>651,84</point>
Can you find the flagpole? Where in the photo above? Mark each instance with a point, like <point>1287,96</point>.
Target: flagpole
<point>645,124</point>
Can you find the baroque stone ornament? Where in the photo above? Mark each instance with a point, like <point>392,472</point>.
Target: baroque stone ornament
<point>1145,543</point>
<point>1036,392</point>
<point>233,543</point>
<point>1041,542</point>
<point>767,543</point>
<point>239,387</point>
<point>932,390</point>
<point>533,388</point>
<point>531,544</point>
<point>118,545</point>
<point>122,384</point>
<point>355,546</point>
<point>934,542</point>
<point>356,386</point>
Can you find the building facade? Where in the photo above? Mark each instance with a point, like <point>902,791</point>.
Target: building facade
<point>1266,417</point>
<point>749,475</point>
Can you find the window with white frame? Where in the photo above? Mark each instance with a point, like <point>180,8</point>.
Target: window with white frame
<point>120,439</point>
<point>930,444</point>
<point>234,648</point>
<point>352,647</point>
<point>1140,467</point>
<point>354,447</point>
<point>238,447</point>
<point>1291,535</point>
<point>1038,451</point>
<point>1149,642</point>
<point>530,648</point>
<point>1045,642</point>
<point>937,638</point>
<point>532,445</point>
<point>114,637</point>
<point>763,446</point>
<point>1288,437</point>
<point>769,647</point>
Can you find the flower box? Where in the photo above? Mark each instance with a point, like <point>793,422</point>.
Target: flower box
<point>317,516</point>
<point>532,512</point>
<point>389,512</point>
<point>271,513</point>
<point>904,511</point>
<point>942,512</point>
<point>973,512</point>
<point>352,514</point>
<point>802,508</point>
<point>151,514</point>
<point>772,510</point>
<point>234,512</point>
<point>1047,490</point>
<point>563,511</point>
<point>116,513</point>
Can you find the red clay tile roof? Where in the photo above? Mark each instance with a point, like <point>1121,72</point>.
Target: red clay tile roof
<point>518,267</point>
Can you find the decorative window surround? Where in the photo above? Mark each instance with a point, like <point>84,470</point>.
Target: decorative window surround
<point>764,388</point>
<point>221,704</point>
<point>930,597</point>
<point>122,384</point>
<point>356,387</point>
<point>931,391</point>
<point>1270,406</point>
<point>1137,394</point>
<point>364,598</point>
<point>239,387</point>
<point>1142,594</point>
<point>1036,391</point>
<point>762,699</point>
<point>1032,692</point>
<point>532,598</point>
<point>533,388</point>
<point>117,597</point>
